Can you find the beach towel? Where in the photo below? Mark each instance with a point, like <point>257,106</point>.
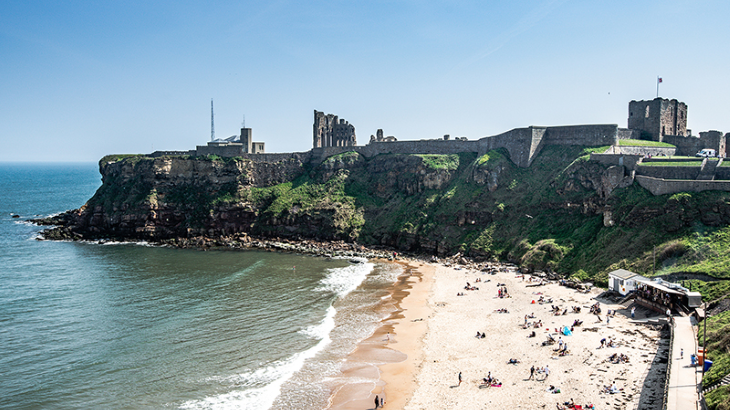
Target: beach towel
<point>566,331</point>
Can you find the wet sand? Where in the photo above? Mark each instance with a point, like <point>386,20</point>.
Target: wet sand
<point>391,356</point>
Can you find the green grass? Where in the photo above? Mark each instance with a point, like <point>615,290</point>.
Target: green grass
<point>644,143</point>
<point>671,164</point>
<point>718,343</point>
<point>119,157</point>
<point>447,162</point>
<point>718,399</point>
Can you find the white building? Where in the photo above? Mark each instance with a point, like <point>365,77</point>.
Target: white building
<point>623,281</point>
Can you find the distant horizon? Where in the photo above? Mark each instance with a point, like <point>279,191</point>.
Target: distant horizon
<point>85,80</point>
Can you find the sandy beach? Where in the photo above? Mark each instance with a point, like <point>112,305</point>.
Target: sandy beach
<point>431,337</point>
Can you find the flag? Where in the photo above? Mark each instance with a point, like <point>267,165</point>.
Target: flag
<point>659,79</point>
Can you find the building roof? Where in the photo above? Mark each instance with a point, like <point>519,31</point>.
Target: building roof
<point>657,285</point>
<point>623,274</point>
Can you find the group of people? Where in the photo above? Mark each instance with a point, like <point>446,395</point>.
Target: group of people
<point>617,358</point>
<point>545,370</point>
<point>502,292</point>
<point>606,343</point>
<point>596,308</point>
<point>490,381</point>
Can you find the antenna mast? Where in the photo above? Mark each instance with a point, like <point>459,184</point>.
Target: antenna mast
<point>212,124</point>
<point>243,124</point>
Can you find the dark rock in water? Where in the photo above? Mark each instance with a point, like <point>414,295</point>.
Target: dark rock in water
<point>16,216</point>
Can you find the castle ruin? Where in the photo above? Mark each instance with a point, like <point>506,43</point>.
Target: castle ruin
<point>657,118</point>
<point>329,131</point>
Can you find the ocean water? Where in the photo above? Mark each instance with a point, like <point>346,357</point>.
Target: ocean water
<point>134,326</point>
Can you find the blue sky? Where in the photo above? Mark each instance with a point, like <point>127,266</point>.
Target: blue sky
<point>81,79</point>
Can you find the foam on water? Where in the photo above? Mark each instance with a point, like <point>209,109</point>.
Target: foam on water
<point>342,281</point>
<point>264,384</point>
<point>322,330</point>
<point>261,387</point>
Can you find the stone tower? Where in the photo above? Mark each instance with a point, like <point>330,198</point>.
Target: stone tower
<point>329,131</point>
<point>247,140</point>
<point>658,117</point>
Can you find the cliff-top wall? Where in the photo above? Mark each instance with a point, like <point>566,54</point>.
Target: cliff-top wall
<point>522,144</point>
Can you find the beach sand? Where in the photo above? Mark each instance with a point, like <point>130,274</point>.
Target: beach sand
<point>432,339</point>
<point>393,352</point>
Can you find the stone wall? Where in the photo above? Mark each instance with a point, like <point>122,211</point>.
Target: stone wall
<point>659,186</point>
<point>686,146</point>
<point>653,151</point>
<point>628,134</point>
<point>658,117</point>
<point>691,145</point>
<point>400,147</point>
<point>722,173</point>
<point>668,172</point>
<point>588,135</point>
<point>158,154</point>
<point>518,142</point>
<point>222,150</point>
<point>628,161</point>
<point>271,157</point>
<point>331,131</point>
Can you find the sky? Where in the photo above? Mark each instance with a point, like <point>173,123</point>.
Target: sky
<point>82,79</point>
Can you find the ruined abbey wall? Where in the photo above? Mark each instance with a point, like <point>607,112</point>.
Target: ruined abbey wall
<point>331,131</point>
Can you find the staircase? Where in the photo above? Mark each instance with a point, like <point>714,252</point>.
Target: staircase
<point>707,172</point>
<point>722,382</point>
<point>628,297</point>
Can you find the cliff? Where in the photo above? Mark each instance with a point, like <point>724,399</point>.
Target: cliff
<point>564,212</point>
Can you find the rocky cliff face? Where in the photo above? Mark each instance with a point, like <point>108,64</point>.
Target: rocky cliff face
<point>438,204</point>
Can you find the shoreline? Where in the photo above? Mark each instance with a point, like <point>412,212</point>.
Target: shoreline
<point>390,356</point>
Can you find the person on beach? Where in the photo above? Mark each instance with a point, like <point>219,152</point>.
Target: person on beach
<point>546,370</point>
<point>459,378</point>
<point>377,401</point>
<point>532,373</point>
<point>633,312</point>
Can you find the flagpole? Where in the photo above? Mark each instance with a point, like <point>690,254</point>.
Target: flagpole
<point>657,86</point>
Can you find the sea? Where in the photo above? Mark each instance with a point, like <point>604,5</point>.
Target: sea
<point>138,326</point>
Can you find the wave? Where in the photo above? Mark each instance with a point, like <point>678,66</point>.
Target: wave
<point>342,281</point>
<point>266,384</point>
<point>261,387</point>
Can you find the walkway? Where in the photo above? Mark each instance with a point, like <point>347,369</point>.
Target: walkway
<point>683,378</point>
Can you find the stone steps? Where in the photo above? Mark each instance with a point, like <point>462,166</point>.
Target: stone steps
<point>722,382</point>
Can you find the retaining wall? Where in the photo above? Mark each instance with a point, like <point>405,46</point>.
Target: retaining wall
<point>653,151</point>
<point>158,154</point>
<point>722,173</point>
<point>588,135</point>
<point>628,161</point>
<point>686,145</point>
<point>668,172</point>
<point>659,186</point>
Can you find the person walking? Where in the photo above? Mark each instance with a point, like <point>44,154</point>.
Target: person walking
<point>633,312</point>
<point>377,401</point>
<point>546,370</point>
<point>532,373</point>
<point>459,378</point>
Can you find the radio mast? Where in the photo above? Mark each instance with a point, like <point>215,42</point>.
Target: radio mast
<point>212,124</point>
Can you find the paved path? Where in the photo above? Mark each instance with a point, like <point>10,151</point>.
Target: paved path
<point>683,378</point>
